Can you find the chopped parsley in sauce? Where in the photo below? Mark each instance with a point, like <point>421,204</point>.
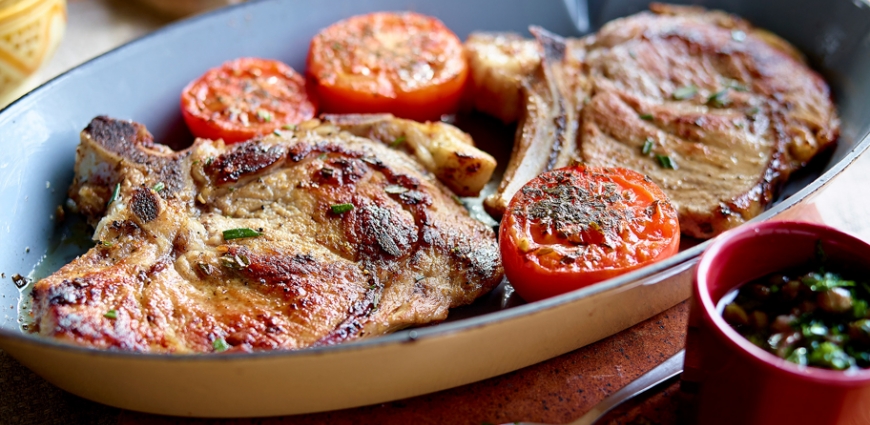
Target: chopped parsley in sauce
<point>809,316</point>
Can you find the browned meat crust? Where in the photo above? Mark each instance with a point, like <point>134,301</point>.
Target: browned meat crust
<point>756,115</point>
<point>439,147</point>
<point>732,108</point>
<point>164,278</point>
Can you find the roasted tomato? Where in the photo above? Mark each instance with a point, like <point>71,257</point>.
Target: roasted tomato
<point>244,98</point>
<point>406,64</point>
<point>576,226</point>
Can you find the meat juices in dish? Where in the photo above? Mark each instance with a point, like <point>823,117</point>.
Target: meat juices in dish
<point>715,111</point>
<point>355,240</point>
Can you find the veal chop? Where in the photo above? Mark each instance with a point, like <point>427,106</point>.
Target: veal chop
<point>309,238</point>
<point>715,111</point>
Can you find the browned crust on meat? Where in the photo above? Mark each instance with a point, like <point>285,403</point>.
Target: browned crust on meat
<point>758,113</point>
<point>441,148</point>
<point>734,108</point>
<point>145,204</point>
<point>117,144</point>
<point>124,138</point>
<point>244,159</point>
<point>403,255</point>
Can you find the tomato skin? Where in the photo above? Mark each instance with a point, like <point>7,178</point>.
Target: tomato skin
<point>245,98</point>
<point>407,64</point>
<point>550,246</point>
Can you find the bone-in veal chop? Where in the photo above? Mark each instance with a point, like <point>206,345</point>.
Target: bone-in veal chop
<point>309,238</point>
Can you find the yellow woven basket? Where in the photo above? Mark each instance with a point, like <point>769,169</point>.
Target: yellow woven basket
<point>30,31</point>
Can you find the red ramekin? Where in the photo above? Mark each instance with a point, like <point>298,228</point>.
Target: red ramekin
<point>738,382</point>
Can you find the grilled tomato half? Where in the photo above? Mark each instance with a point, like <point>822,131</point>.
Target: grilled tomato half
<point>245,98</point>
<point>575,226</point>
<point>407,64</point>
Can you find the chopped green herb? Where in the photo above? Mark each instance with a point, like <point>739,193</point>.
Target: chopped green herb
<point>114,196</point>
<point>686,92</point>
<point>808,317</point>
<point>734,85</point>
<point>813,328</point>
<point>648,145</point>
<point>821,257</point>
<point>264,115</point>
<point>419,277</point>
<point>322,156</point>
<point>336,46</point>
<point>288,127</point>
<point>798,356</point>
<point>646,117</point>
<point>859,308</point>
<point>159,186</point>
<point>106,244</point>
<point>818,282</point>
<point>829,355</point>
<point>277,133</point>
<point>230,263</point>
<point>341,208</point>
<point>666,162</point>
<point>111,314</point>
<point>862,357</point>
<point>395,189</point>
<point>719,99</point>
<point>220,345</point>
<point>398,142</point>
<point>239,233</point>
<point>209,160</point>
<point>738,36</point>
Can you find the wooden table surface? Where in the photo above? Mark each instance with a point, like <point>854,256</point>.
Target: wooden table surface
<point>555,391</point>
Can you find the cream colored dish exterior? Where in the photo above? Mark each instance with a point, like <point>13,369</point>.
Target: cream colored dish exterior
<point>30,31</point>
<point>354,375</point>
<point>375,371</point>
<point>39,132</point>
